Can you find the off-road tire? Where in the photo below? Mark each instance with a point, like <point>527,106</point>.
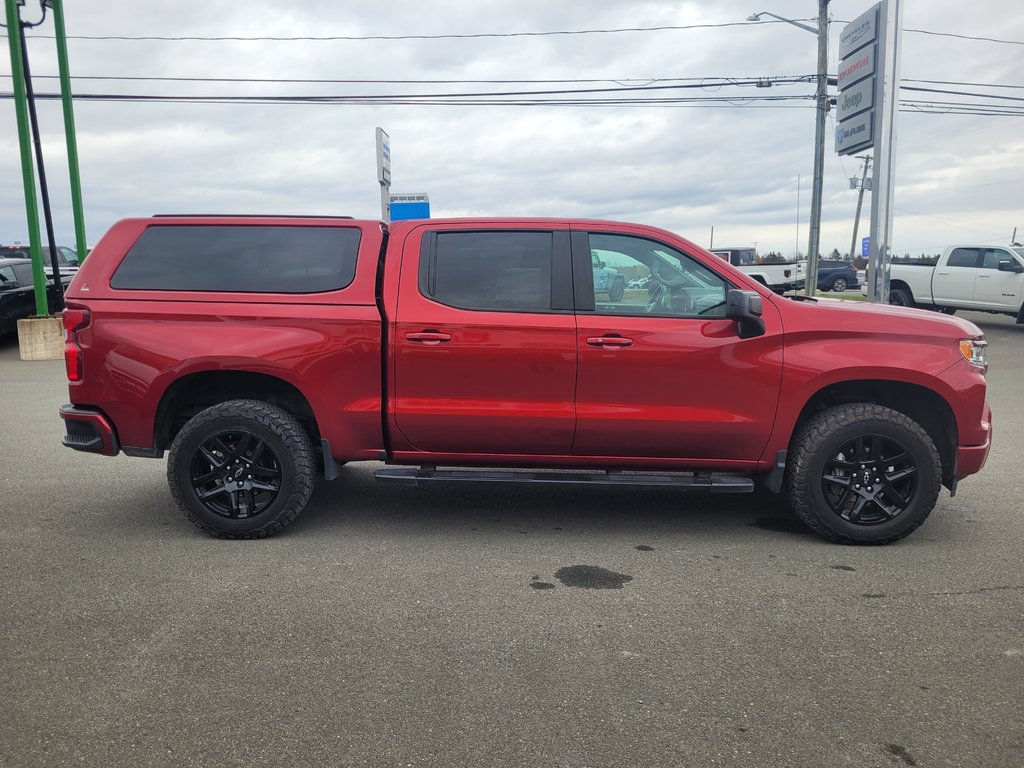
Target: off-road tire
<point>286,440</point>
<point>816,444</point>
<point>617,290</point>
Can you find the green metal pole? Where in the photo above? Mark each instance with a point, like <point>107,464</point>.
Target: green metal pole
<point>69,128</point>
<point>24,142</point>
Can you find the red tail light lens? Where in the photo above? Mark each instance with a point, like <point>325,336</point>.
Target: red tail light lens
<point>74,321</point>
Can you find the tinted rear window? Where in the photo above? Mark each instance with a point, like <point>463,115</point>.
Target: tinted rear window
<point>246,259</point>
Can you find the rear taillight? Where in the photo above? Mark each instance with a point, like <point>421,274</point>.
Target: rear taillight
<point>74,321</point>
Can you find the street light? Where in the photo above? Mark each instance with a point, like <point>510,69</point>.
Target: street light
<point>821,111</point>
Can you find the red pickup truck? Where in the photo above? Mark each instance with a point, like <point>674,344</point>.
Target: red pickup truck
<point>263,352</point>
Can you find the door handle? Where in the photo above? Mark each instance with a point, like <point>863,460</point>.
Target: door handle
<point>985,276</point>
<point>609,341</point>
<point>428,337</point>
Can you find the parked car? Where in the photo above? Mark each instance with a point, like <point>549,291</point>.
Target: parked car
<point>836,275</point>
<point>67,259</point>
<point>17,297</point>
<point>984,278</point>
<point>607,279</point>
<point>778,277</point>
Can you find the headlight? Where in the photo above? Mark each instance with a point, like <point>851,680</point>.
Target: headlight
<point>975,352</point>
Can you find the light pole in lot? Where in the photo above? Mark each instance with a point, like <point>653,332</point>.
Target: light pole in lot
<point>821,111</point>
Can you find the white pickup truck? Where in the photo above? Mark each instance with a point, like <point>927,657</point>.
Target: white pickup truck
<point>980,277</point>
<point>778,277</point>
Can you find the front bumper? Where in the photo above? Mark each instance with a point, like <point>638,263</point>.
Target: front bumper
<point>89,430</point>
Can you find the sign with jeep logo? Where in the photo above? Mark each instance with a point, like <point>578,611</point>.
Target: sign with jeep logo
<point>855,100</point>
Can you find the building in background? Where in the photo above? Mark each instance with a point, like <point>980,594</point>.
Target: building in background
<point>410,206</point>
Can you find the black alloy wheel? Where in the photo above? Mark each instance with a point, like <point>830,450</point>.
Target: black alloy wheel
<point>899,297</point>
<point>242,469</point>
<point>235,474</point>
<point>869,480</point>
<point>862,473</point>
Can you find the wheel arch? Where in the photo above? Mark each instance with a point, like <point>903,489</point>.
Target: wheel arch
<point>903,286</point>
<point>925,406</point>
<point>194,392</point>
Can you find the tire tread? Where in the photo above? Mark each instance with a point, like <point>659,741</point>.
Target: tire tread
<point>276,420</point>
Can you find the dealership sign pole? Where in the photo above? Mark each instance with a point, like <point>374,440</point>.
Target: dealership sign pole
<point>384,174</point>
<point>869,70</point>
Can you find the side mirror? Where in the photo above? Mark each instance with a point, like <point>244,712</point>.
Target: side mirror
<point>746,308</point>
<point>1009,265</point>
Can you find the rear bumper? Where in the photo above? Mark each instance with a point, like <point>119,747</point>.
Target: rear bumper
<point>89,430</point>
<point>971,458</point>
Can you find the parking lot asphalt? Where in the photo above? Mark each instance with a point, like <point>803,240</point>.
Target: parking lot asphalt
<point>457,626</point>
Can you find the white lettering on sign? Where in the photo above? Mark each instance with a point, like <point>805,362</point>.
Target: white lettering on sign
<point>858,32</point>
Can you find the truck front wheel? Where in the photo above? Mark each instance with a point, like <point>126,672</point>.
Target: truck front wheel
<point>862,474</point>
<point>243,469</point>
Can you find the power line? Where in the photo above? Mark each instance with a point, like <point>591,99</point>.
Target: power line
<point>763,102</point>
<point>449,36</point>
<point>483,35</point>
<point>705,82</point>
<point>966,37</point>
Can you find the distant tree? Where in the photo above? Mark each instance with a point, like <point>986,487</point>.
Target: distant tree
<point>835,254</point>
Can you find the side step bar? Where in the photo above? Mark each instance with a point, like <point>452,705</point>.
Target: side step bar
<point>696,481</point>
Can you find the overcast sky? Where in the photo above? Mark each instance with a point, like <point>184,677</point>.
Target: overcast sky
<point>735,165</point>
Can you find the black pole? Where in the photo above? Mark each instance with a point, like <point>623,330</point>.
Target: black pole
<point>58,286</point>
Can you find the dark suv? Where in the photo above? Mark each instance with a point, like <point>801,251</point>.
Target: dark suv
<point>67,259</point>
<point>836,275</point>
<point>16,297</point>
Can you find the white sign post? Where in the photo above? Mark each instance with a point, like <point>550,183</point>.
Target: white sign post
<point>384,174</point>
<point>869,76</point>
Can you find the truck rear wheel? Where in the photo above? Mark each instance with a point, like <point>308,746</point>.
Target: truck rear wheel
<point>862,474</point>
<point>243,469</point>
<point>900,297</point>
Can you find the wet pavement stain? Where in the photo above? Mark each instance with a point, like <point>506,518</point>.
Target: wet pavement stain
<point>644,548</point>
<point>536,583</point>
<point>591,577</point>
<point>842,568</point>
<point>897,750</point>
<point>781,525</point>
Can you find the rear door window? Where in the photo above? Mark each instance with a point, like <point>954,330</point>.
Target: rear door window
<point>963,257</point>
<point>242,259</point>
<point>508,271</point>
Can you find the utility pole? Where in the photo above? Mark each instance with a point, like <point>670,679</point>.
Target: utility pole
<point>860,201</point>
<point>24,143</point>
<point>69,127</point>
<point>821,99</point>
<point>58,286</point>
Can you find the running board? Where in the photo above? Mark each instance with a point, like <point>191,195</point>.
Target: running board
<point>697,481</point>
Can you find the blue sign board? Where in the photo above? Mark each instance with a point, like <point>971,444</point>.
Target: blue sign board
<point>865,247</point>
<point>406,206</point>
<point>407,211</point>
